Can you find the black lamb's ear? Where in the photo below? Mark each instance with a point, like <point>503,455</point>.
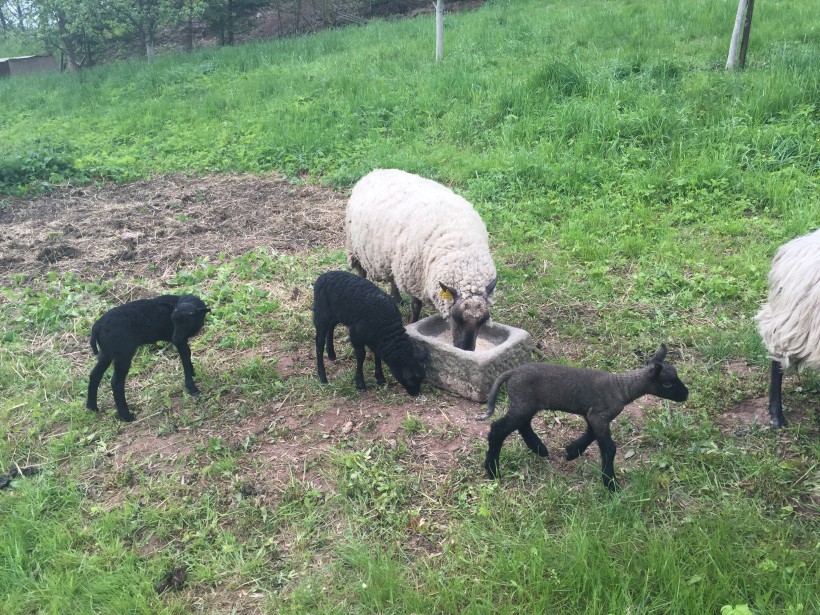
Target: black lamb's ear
<point>660,355</point>
<point>656,369</point>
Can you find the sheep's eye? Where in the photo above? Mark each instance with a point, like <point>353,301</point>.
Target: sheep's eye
<point>667,385</point>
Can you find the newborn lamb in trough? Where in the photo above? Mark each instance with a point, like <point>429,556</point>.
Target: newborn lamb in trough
<point>425,240</point>
<point>597,396</point>
<point>373,319</point>
<point>118,333</point>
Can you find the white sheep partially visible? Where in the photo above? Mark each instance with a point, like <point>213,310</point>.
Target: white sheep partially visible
<point>789,322</point>
<point>427,241</point>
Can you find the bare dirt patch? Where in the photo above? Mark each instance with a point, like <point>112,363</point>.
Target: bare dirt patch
<point>147,228</point>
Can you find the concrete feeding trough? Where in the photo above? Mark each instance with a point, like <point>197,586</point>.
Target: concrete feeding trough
<point>470,374</point>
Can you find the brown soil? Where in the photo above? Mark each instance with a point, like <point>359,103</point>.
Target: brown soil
<point>150,228</point>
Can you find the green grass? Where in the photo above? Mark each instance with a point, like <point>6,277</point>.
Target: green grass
<point>634,193</point>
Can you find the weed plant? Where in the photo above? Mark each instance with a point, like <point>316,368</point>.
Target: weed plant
<point>634,193</point>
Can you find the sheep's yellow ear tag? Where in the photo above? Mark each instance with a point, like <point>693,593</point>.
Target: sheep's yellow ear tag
<point>446,294</point>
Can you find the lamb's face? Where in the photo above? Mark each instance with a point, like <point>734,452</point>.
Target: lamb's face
<point>188,319</point>
<point>666,384</point>
<point>412,373</point>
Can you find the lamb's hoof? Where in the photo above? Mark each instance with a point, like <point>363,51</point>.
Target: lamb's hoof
<point>92,408</point>
<point>381,382</point>
<point>323,379</point>
<point>492,471</point>
<point>193,391</point>
<point>777,422</point>
<point>127,418</point>
<point>361,387</point>
<point>331,357</point>
<point>572,453</point>
<point>612,485</point>
<point>543,452</point>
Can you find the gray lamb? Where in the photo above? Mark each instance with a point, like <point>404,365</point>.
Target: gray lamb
<point>597,396</point>
<point>118,333</point>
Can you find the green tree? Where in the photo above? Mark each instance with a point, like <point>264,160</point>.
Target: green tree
<point>145,17</point>
<point>73,28</point>
<point>223,15</point>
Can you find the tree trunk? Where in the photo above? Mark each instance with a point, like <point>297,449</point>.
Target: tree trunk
<point>149,45</point>
<point>439,30</point>
<point>21,22</point>
<point>230,22</point>
<point>189,35</point>
<point>3,23</point>
<point>734,48</point>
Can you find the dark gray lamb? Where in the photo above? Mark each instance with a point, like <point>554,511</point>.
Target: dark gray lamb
<point>374,320</point>
<point>597,396</point>
<point>118,333</point>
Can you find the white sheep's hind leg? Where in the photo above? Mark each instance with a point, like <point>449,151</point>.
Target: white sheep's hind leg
<point>776,417</point>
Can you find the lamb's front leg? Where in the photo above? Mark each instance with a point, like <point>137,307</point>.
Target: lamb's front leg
<point>359,351</point>
<point>607,445</point>
<point>187,367</point>
<point>379,373</point>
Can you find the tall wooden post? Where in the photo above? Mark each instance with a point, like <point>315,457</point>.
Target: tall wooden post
<point>439,30</point>
<point>747,27</point>
<point>743,25</point>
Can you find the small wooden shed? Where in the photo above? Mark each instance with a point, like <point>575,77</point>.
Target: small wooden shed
<point>26,65</point>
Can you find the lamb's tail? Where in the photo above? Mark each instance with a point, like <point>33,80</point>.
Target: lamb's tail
<point>93,341</point>
<point>493,394</point>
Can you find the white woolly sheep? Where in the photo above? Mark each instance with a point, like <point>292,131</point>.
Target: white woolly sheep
<point>789,322</point>
<point>427,241</point>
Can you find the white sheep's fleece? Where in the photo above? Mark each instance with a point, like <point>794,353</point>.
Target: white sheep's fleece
<point>417,233</point>
<point>789,322</point>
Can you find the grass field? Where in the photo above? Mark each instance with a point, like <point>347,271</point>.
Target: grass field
<point>634,193</point>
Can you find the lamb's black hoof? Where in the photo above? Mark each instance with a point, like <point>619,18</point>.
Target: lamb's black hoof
<point>777,421</point>
<point>193,391</point>
<point>127,418</point>
<point>92,408</point>
<point>492,471</point>
<point>572,453</point>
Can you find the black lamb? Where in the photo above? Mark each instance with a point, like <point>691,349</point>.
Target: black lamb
<point>597,396</point>
<point>373,319</point>
<point>118,333</point>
